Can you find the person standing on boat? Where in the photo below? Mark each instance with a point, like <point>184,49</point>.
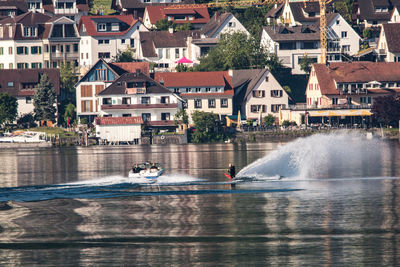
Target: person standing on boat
<point>136,169</point>
<point>231,170</point>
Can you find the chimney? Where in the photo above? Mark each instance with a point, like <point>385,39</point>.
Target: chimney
<point>135,14</point>
<point>216,15</point>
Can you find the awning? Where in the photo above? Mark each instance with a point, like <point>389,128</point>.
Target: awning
<point>183,60</point>
<point>339,113</point>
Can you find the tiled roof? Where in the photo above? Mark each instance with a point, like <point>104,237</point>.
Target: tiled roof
<point>355,72</point>
<point>215,23</point>
<point>118,87</point>
<point>367,9</point>
<point>122,67</point>
<point>26,19</point>
<point>200,13</point>
<point>136,4</point>
<point>392,35</point>
<point>295,33</point>
<point>90,23</point>
<point>118,120</point>
<point>194,79</point>
<point>163,39</point>
<point>275,12</point>
<point>297,9</point>
<point>14,4</point>
<point>26,76</point>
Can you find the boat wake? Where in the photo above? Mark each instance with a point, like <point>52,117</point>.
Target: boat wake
<point>339,154</point>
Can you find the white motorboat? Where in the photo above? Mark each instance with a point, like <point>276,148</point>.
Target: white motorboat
<point>145,172</point>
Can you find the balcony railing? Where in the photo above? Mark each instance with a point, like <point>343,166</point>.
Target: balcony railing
<point>343,106</point>
<point>71,11</point>
<point>138,106</point>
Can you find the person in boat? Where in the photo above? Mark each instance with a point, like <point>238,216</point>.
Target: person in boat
<point>231,170</point>
<point>136,169</point>
<point>153,167</point>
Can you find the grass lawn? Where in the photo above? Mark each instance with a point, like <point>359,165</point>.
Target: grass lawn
<point>53,130</point>
<point>102,5</point>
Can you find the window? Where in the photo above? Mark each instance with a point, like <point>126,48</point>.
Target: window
<point>86,90</point>
<point>256,108</point>
<point>122,41</point>
<point>67,48</point>
<point>145,100</point>
<point>276,93</point>
<point>127,115</point>
<point>20,65</point>
<point>337,22</point>
<point>231,24</point>
<point>224,102</point>
<point>100,41</point>
<point>365,100</point>
<point>36,65</point>
<point>10,50</point>
<point>76,47</point>
<point>1,66</point>
<point>36,50</point>
<point>165,116</point>
<point>126,100</point>
<point>346,48</point>
<point>104,55</point>
<point>160,52</point>
<point>53,48</point>
<point>100,75</point>
<point>164,100</point>
<point>101,27</point>
<point>287,46</point>
<point>21,50</point>
<point>349,100</point>
<point>1,51</point>
<point>211,103</point>
<point>275,108</point>
<point>10,66</point>
<point>344,34</point>
<point>259,93</point>
<point>197,103</point>
<point>107,101</point>
<point>29,31</point>
<point>167,55</point>
<point>146,117</point>
<point>132,42</point>
<point>176,52</point>
<point>10,84</point>
<point>28,100</point>
<point>87,106</point>
<point>198,90</point>
<point>334,100</point>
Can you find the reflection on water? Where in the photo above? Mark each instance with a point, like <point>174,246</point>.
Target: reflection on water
<point>330,222</point>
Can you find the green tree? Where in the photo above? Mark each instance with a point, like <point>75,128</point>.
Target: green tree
<point>68,79</point>
<point>164,24</point>
<point>26,121</point>
<point>44,100</point>
<point>386,110</point>
<point>234,51</point>
<point>345,8</point>
<point>206,128</point>
<point>269,120</point>
<point>70,113</point>
<point>367,33</point>
<point>306,64</point>
<point>125,56</point>
<point>183,27</point>
<point>8,108</point>
<point>274,64</point>
<point>181,116</point>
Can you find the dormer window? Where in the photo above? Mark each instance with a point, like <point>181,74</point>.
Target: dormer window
<point>101,27</point>
<point>29,31</point>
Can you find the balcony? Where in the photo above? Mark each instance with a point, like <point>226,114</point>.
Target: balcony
<point>334,107</point>
<point>66,11</point>
<point>138,106</point>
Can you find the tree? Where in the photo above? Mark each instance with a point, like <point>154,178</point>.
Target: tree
<point>44,100</point>
<point>8,108</point>
<point>306,64</point>
<point>345,9</point>
<point>183,27</point>
<point>386,110</point>
<point>125,56</point>
<point>234,51</point>
<point>164,24</point>
<point>269,120</point>
<point>26,121</point>
<point>181,116</point>
<point>70,113</point>
<point>367,33</point>
<point>206,128</point>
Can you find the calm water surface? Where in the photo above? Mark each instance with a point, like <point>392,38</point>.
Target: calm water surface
<point>338,205</point>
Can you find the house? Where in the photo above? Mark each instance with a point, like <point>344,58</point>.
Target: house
<point>137,7</point>
<point>72,9</point>
<point>258,94</point>
<point>100,76</point>
<point>196,15</point>
<point>292,43</point>
<point>12,8</point>
<point>202,91</point>
<point>395,16</point>
<point>343,90</point>
<point>164,48</point>
<point>138,95</point>
<point>21,45</point>
<point>118,129</point>
<point>388,48</point>
<point>22,85</point>
<point>371,12</point>
<point>274,13</point>
<point>220,24</point>
<point>104,36</point>
<point>60,43</point>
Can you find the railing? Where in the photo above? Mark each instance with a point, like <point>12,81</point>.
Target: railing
<point>321,107</point>
<point>66,11</point>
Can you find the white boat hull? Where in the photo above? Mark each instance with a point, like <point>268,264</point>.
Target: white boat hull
<point>145,176</point>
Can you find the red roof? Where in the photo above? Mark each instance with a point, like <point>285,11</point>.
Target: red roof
<point>132,67</point>
<point>355,72</point>
<point>194,79</point>
<point>200,13</point>
<point>91,29</point>
<point>118,120</point>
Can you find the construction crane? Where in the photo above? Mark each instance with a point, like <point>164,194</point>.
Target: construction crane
<point>322,7</point>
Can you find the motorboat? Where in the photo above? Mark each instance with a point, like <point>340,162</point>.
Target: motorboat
<point>146,172</point>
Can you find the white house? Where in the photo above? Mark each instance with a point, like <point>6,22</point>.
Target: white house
<point>388,47</point>
<point>104,36</point>
<point>258,93</point>
<point>220,24</point>
<point>72,9</point>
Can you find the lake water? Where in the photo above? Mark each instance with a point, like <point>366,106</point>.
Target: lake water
<point>338,204</point>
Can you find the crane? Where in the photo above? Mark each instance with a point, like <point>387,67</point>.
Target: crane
<point>322,6</point>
